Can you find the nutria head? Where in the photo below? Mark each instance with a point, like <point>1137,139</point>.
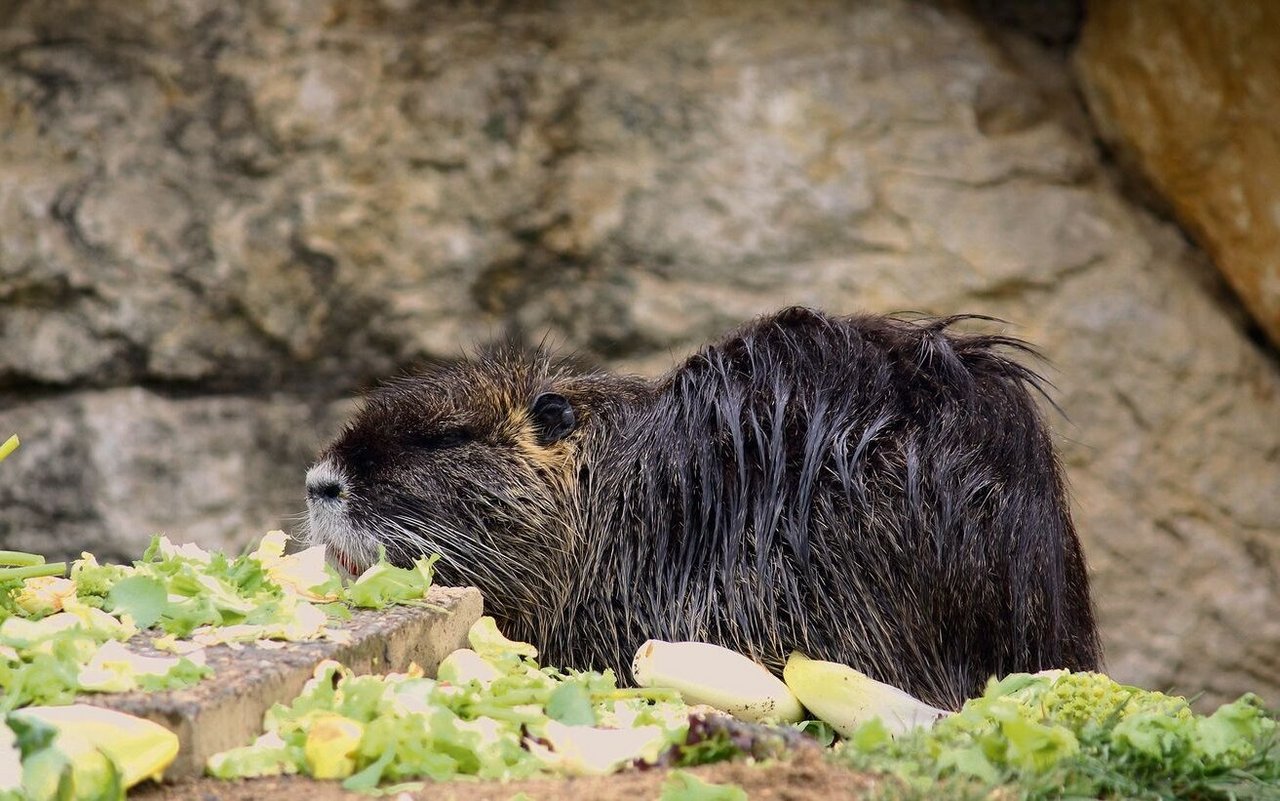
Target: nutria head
<point>474,459</point>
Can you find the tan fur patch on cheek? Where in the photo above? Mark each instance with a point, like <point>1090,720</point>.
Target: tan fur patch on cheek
<point>517,421</point>
<point>555,459</point>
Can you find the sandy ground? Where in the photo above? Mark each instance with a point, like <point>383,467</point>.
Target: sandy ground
<point>808,776</point>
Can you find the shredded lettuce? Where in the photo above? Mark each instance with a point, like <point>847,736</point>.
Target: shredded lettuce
<point>525,720</point>
<point>385,584</point>
<point>1061,734</point>
<point>61,636</point>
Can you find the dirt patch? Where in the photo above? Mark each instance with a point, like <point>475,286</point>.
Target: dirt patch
<point>808,776</point>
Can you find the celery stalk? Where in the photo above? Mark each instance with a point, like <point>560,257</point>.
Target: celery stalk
<point>32,571</point>
<point>20,558</point>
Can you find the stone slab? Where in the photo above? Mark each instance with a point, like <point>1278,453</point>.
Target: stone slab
<point>226,709</point>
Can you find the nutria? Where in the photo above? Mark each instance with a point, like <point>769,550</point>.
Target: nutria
<point>868,490</point>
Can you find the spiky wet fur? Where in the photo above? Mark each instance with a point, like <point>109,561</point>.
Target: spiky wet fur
<point>868,490</point>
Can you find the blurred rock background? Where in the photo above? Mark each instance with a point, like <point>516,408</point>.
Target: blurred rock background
<point>220,221</point>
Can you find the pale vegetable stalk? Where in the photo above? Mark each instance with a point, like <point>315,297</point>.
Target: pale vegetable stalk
<point>846,699</point>
<point>10,761</point>
<point>10,445</point>
<point>465,665</point>
<point>593,751</point>
<point>718,677</point>
<point>140,748</point>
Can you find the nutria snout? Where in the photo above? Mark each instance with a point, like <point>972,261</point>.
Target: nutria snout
<point>868,490</point>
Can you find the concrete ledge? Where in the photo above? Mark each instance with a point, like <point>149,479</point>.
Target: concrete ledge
<point>225,710</point>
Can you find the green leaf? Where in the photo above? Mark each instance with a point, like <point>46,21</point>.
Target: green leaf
<point>367,779</point>
<point>142,598</point>
<point>487,640</point>
<point>717,748</point>
<point>46,774</point>
<point>819,730</point>
<point>1013,683</point>
<point>683,786</point>
<point>152,552</point>
<point>871,736</point>
<point>363,698</point>
<point>249,761</point>
<point>385,584</point>
<point>49,673</point>
<point>969,761</point>
<point>336,610</point>
<point>571,705</point>
<point>1037,746</point>
<point>1148,734</point>
<point>1234,727</point>
<point>32,734</point>
<point>184,674</point>
<point>185,616</point>
<point>93,579</point>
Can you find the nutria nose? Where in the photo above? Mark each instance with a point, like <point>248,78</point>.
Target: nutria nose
<point>324,484</point>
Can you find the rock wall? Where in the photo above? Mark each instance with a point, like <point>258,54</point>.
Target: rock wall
<point>1188,93</point>
<point>218,221</point>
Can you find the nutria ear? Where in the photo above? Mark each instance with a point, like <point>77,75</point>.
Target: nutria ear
<point>553,417</point>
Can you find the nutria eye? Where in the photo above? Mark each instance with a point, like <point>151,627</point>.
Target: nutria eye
<point>439,440</point>
<point>553,417</point>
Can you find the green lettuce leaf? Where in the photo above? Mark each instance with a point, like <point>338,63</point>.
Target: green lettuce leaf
<point>385,584</point>
<point>684,786</point>
<point>144,599</point>
<point>570,703</point>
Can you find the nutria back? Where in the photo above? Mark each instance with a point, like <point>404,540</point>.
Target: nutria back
<point>867,490</point>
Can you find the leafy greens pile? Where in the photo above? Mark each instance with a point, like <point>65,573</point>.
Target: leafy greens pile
<point>1080,735</point>
<point>63,636</point>
<point>493,712</point>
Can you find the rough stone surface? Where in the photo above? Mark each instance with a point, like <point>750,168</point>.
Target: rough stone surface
<point>1189,92</point>
<point>104,470</point>
<point>225,710</point>
<point>218,220</point>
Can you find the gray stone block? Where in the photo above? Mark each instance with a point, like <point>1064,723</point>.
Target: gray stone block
<point>225,710</point>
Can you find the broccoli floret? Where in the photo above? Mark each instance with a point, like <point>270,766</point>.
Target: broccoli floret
<point>1081,700</point>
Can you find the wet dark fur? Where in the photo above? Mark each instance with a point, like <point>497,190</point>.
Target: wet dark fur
<point>866,490</point>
